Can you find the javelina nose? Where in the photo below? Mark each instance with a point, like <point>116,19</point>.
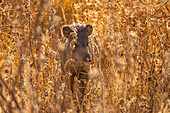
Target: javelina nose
<point>87,58</point>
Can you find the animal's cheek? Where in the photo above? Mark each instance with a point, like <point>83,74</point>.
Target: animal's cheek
<point>76,57</point>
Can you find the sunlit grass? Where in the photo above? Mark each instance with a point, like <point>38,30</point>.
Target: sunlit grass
<point>130,53</point>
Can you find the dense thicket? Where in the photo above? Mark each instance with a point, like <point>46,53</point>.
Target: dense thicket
<point>130,43</point>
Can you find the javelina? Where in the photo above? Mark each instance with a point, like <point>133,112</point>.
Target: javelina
<point>80,55</point>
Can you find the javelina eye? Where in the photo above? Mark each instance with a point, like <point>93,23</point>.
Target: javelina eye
<point>76,44</point>
<point>87,44</point>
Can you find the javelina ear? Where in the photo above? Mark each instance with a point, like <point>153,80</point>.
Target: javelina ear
<point>89,29</point>
<point>66,31</point>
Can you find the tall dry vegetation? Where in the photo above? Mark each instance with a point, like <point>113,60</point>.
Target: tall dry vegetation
<point>130,42</point>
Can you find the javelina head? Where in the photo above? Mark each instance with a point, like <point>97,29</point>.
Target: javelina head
<point>80,52</point>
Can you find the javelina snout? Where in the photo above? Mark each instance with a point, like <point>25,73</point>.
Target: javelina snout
<point>80,54</point>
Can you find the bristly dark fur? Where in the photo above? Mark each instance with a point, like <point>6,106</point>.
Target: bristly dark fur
<point>80,54</point>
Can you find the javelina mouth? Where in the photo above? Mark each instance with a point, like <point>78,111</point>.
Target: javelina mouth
<point>81,64</point>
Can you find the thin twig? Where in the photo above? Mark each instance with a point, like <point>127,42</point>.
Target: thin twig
<point>64,17</point>
<point>2,106</point>
<point>157,10</point>
<point>155,16</point>
<point>11,91</point>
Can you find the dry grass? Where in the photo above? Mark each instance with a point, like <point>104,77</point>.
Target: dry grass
<point>130,53</point>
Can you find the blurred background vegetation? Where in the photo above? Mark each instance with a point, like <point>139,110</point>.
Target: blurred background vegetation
<point>129,73</point>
